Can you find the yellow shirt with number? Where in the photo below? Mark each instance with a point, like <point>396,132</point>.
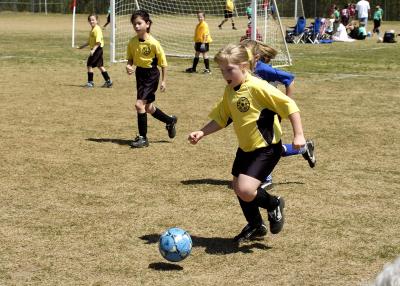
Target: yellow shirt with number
<point>254,110</point>
<point>146,53</point>
<point>202,33</point>
<point>96,36</point>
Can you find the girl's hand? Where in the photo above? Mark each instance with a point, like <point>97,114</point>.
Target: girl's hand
<point>163,86</point>
<point>195,137</point>
<point>91,52</point>
<point>129,69</point>
<point>78,47</point>
<point>298,142</point>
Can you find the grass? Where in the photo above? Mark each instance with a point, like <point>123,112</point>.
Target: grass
<point>79,207</point>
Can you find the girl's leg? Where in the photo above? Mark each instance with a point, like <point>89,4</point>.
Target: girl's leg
<point>195,61</point>
<point>223,22</point>
<point>247,188</point>
<point>108,81</point>
<point>170,121</point>
<point>141,117</point>
<point>233,24</point>
<point>90,77</point>
<point>206,61</point>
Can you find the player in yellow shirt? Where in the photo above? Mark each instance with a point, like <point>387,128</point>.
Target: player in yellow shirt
<point>96,44</point>
<point>202,40</point>
<point>254,107</point>
<point>228,14</point>
<point>146,53</point>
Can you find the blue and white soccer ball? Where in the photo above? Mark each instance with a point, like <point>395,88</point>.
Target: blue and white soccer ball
<point>175,244</point>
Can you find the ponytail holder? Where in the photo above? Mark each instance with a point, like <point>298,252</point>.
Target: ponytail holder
<point>249,54</point>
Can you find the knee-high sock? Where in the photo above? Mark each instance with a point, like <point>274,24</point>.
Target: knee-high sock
<point>142,124</point>
<point>265,200</point>
<point>158,114</point>
<point>251,212</point>
<point>288,150</point>
<point>195,62</point>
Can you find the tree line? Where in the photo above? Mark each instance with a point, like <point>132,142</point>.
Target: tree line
<point>312,8</point>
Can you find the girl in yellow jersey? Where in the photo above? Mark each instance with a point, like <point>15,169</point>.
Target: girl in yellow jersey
<point>253,106</point>
<point>228,14</point>
<point>202,40</point>
<point>96,43</point>
<point>146,53</point>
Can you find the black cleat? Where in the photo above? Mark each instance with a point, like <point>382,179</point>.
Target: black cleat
<point>190,70</point>
<point>140,142</point>
<point>309,153</point>
<point>250,232</point>
<point>171,127</point>
<point>108,83</point>
<point>276,217</point>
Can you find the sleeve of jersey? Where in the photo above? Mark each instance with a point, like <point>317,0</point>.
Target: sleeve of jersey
<point>284,77</point>
<point>220,114</point>
<point>162,60</point>
<point>277,101</point>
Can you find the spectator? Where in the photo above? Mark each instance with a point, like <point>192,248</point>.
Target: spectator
<point>345,15</point>
<point>363,11</point>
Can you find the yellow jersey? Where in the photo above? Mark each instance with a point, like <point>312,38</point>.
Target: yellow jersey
<point>96,36</point>
<point>146,53</point>
<point>202,33</point>
<point>229,5</point>
<point>254,110</point>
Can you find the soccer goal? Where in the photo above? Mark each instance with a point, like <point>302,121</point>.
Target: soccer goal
<point>174,22</point>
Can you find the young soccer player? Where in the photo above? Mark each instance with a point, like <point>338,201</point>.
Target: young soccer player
<point>146,53</point>
<point>202,40</point>
<point>253,106</point>
<point>96,44</point>
<point>263,54</point>
<point>378,14</point>
<point>228,14</point>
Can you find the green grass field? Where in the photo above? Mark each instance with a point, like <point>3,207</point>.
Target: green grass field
<point>80,207</point>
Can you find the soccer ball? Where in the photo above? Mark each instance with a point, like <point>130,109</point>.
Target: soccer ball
<point>175,244</point>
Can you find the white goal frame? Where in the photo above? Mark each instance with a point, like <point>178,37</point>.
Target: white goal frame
<point>181,43</point>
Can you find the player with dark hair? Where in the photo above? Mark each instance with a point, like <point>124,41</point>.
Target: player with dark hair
<point>146,53</point>
<point>96,44</point>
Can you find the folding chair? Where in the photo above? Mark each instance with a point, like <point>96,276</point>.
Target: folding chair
<point>312,34</point>
<point>296,35</point>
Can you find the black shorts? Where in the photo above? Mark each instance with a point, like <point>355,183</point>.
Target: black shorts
<point>197,47</point>
<point>377,24</point>
<point>228,14</point>
<point>147,83</point>
<point>258,163</point>
<point>96,60</point>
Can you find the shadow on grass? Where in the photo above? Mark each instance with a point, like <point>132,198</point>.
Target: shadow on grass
<point>120,141</point>
<point>215,245</point>
<point>207,182</point>
<point>162,266</point>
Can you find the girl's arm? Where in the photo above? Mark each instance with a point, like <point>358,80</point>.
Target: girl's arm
<point>94,49</point>
<point>163,85</point>
<point>298,136</point>
<point>209,128</point>
<point>83,46</point>
<point>129,67</point>
<point>290,89</point>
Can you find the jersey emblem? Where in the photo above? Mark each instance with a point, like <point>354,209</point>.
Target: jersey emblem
<point>146,51</point>
<point>243,104</point>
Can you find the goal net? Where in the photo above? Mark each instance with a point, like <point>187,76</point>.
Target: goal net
<point>174,22</point>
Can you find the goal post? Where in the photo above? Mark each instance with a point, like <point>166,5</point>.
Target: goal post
<point>174,22</point>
